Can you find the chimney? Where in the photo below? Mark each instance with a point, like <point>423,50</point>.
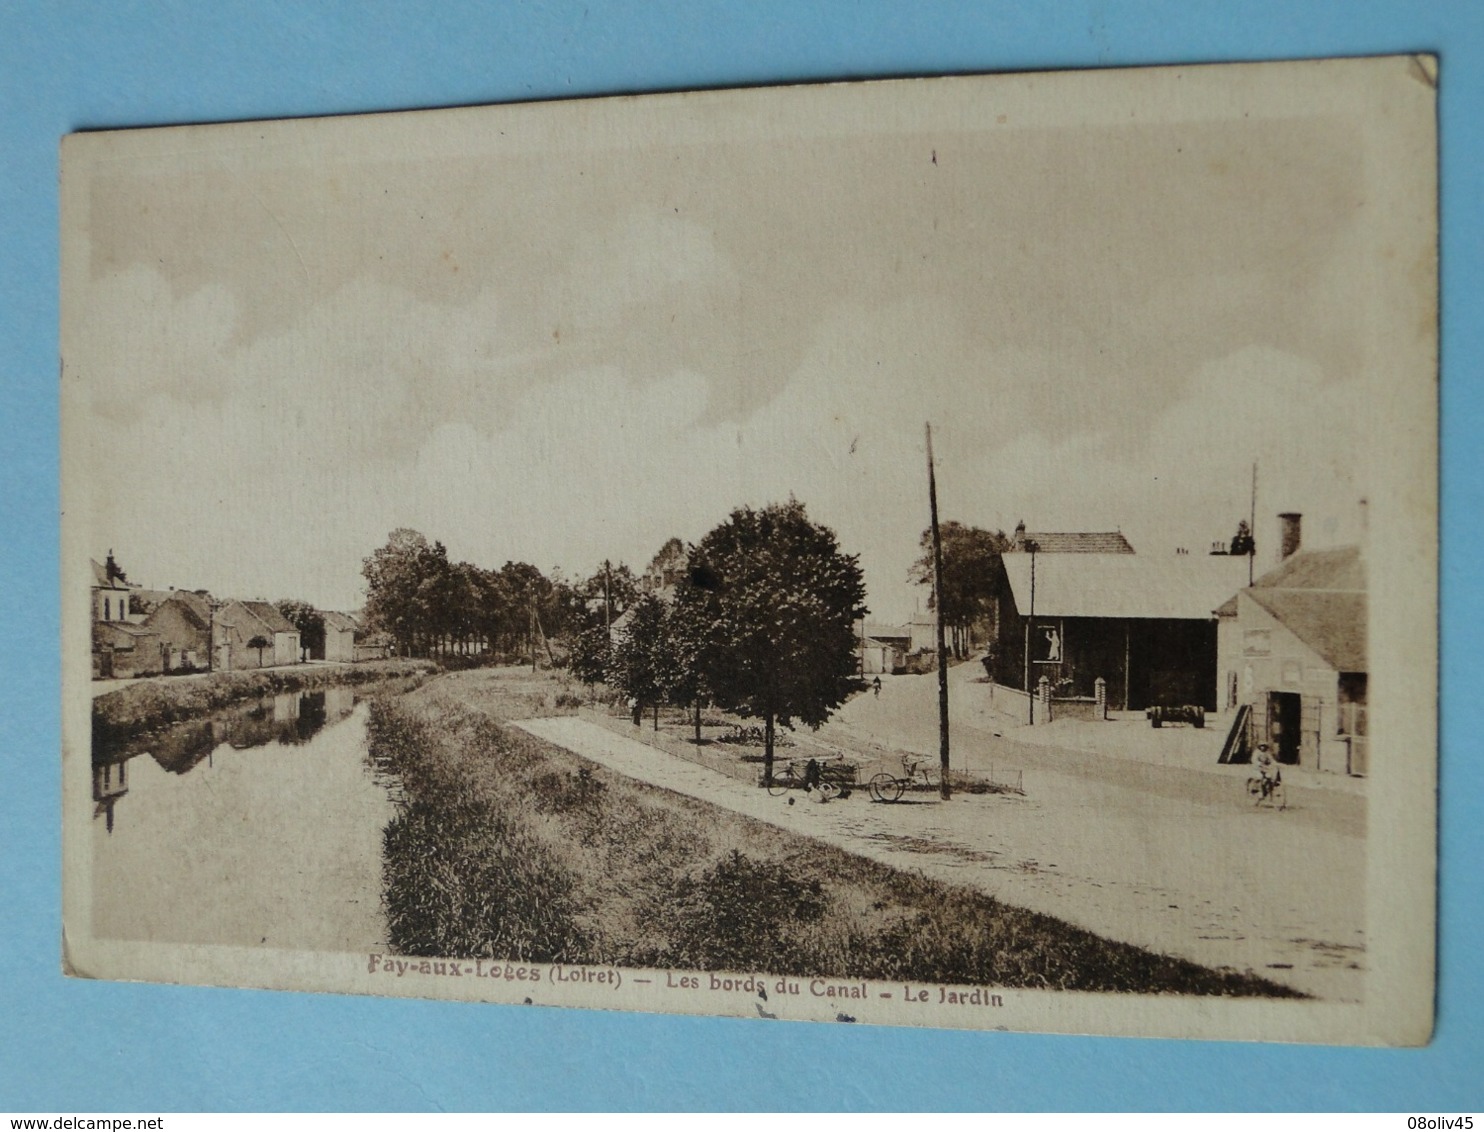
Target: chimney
<point>1292,533</point>
<point>1019,543</point>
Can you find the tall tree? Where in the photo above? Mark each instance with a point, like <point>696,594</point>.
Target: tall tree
<point>781,599</point>
<point>642,663</point>
<point>404,580</point>
<point>309,621</point>
<point>970,559</point>
<point>590,656</point>
<point>692,636</point>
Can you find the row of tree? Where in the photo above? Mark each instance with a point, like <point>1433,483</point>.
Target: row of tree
<point>760,623</point>
<point>431,606</point>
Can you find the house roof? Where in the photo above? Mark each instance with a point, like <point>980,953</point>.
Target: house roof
<point>1331,622</point>
<point>199,604</point>
<point>103,581</point>
<point>1337,568</point>
<point>1177,587</point>
<point>150,600</point>
<point>340,622</point>
<point>1076,542</point>
<point>193,605</point>
<point>268,614</point>
<point>1320,597</point>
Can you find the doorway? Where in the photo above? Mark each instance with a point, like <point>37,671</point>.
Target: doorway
<point>1285,714</point>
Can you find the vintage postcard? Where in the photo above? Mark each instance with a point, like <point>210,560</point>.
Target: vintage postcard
<point>906,553</point>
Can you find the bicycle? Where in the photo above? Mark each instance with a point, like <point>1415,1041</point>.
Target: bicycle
<point>1265,790</point>
<point>829,781</point>
<point>888,787</point>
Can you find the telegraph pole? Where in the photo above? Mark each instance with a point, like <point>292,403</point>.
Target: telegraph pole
<point>1030,628</point>
<point>1252,526</point>
<point>945,789</point>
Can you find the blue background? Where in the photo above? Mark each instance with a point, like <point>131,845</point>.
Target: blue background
<point>75,1045</point>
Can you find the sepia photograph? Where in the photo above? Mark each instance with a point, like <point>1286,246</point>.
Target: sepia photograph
<point>950,552</point>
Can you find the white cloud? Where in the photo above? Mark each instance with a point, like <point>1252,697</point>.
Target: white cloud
<point>271,468</point>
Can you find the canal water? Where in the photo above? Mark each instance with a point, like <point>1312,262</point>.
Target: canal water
<point>260,826</point>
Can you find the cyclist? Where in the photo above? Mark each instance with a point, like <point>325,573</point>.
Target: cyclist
<point>1271,776</point>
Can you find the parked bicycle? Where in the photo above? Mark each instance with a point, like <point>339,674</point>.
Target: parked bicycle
<point>830,780</point>
<point>888,783</point>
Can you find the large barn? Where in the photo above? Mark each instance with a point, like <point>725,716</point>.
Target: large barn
<point>1143,624</point>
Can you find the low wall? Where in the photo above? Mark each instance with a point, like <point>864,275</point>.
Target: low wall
<point>1011,702</point>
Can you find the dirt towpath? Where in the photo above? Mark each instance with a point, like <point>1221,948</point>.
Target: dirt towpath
<point>1200,879</point>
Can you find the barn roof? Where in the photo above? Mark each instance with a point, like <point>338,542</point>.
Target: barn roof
<point>1077,542</point>
<point>1175,587</point>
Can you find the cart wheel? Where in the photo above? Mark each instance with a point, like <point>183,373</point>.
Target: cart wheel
<point>1278,798</point>
<point>780,784</point>
<point>885,788</point>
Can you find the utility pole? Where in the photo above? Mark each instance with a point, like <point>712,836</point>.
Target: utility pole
<point>607,601</point>
<point>1030,628</point>
<point>945,789</point>
<point>1252,526</point>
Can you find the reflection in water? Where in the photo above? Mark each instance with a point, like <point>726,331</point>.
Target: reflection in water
<point>110,783</point>
<point>289,718</point>
<point>261,825</point>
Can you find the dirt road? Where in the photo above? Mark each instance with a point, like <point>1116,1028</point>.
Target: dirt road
<point>1217,881</point>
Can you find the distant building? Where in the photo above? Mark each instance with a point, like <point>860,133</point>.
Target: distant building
<point>369,644</point>
<point>122,649</point>
<point>111,591</point>
<point>182,619</point>
<point>1292,647</point>
<point>239,622</point>
<point>666,570</point>
<point>891,648</point>
<point>340,637</point>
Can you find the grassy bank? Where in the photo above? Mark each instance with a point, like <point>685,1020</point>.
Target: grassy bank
<point>156,703</point>
<point>508,847</point>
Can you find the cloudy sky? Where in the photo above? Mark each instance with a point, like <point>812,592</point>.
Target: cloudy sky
<point>569,353</point>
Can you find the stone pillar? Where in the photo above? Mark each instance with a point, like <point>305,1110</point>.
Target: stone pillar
<point>1100,692</point>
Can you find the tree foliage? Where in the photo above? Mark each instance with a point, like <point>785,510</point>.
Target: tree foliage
<point>1242,542</point>
<point>590,655</point>
<point>642,664</point>
<point>431,605</point>
<point>260,643</point>
<point>309,621</point>
<point>774,602</point>
<point>970,573</point>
